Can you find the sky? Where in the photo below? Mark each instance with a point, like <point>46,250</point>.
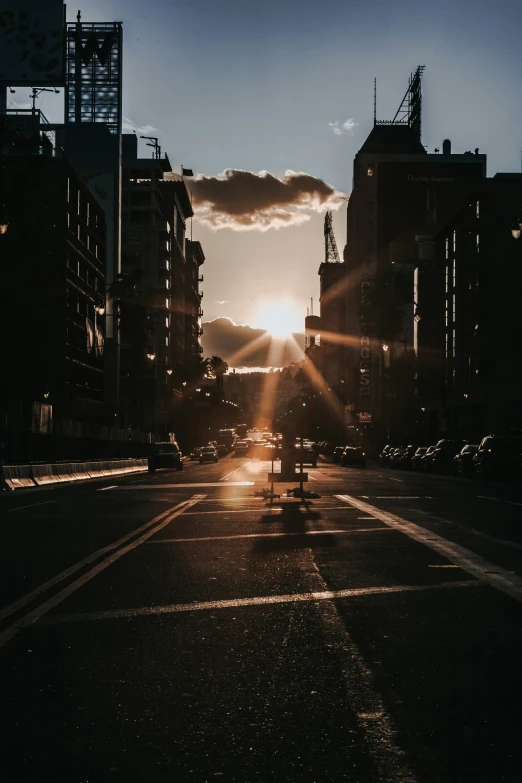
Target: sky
<point>287,86</point>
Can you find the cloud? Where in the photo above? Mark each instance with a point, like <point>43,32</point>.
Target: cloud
<point>128,126</point>
<point>250,201</point>
<point>241,345</point>
<point>348,126</point>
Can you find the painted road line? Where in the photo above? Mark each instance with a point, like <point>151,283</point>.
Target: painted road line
<point>32,505</point>
<point>269,535</point>
<point>394,479</point>
<point>113,486</point>
<point>45,586</point>
<point>198,485</point>
<point>233,471</point>
<point>477,566</point>
<point>395,497</point>
<point>274,508</point>
<point>500,500</point>
<point>35,614</point>
<point>265,600</point>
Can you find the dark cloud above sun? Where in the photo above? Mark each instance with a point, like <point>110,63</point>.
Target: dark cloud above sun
<point>246,200</point>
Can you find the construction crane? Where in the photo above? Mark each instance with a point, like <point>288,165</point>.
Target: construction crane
<point>331,254</point>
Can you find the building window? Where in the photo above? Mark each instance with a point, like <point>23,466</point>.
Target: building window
<point>447,278</point>
<point>454,241</point>
<point>477,209</point>
<point>454,268</point>
<point>68,190</point>
<point>447,342</point>
<point>454,346</point>
<point>369,170</point>
<point>477,243</point>
<point>447,248</point>
<point>78,202</point>
<point>454,307</point>
<point>447,316</point>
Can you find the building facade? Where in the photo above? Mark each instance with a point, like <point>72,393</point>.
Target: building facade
<point>53,268</point>
<point>469,334</point>
<point>401,196</point>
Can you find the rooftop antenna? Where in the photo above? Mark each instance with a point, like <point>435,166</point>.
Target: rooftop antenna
<point>153,142</point>
<point>331,254</point>
<point>375,101</point>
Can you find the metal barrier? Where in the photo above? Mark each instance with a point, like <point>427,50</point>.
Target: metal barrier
<point>20,476</point>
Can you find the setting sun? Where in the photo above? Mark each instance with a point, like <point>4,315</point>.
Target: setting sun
<point>281,317</point>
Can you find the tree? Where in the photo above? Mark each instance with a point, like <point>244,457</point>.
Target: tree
<point>216,368</point>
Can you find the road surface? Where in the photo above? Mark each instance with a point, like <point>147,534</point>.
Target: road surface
<point>176,627</point>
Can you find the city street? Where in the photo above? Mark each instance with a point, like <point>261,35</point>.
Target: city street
<point>177,627</point>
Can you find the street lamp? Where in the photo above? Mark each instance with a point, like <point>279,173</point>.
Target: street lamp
<point>100,309</point>
<point>385,346</point>
<point>151,355</point>
<point>37,91</point>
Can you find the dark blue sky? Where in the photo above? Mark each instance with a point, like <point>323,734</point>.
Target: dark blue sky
<point>254,85</point>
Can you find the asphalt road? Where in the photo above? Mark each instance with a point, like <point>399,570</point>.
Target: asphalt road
<point>176,627</point>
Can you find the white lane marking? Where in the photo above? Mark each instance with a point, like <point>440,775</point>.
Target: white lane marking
<point>474,564</point>
<point>41,610</point>
<point>234,471</point>
<point>268,535</point>
<point>265,600</point>
<point>45,586</point>
<point>366,517</point>
<point>113,486</point>
<point>375,724</point>
<point>394,479</point>
<point>396,497</point>
<point>500,500</point>
<point>31,505</point>
<point>198,485</point>
<point>266,508</point>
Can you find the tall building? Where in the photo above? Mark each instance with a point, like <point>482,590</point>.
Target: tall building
<point>53,272</point>
<point>193,312</point>
<point>401,196</point>
<point>469,333</point>
<point>155,275</point>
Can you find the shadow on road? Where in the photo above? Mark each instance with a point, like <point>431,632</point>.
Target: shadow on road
<point>292,522</point>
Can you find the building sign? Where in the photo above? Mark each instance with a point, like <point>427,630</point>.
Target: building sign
<point>426,178</point>
<point>32,42</point>
<point>364,417</point>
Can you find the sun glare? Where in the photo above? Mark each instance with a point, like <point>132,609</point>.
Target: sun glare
<point>281,317</point>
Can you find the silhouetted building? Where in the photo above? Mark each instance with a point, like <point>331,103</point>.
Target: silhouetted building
<point>469,334</point>
<point>153,287</point>
<point>195,258</point>
<point>401,196</point>
<point>53,280</point>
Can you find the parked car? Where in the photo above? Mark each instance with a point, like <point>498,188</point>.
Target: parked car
<point>463,461</point>
<point>444,455</point>
<point>425,460</point>
<point>396,456</point>
<point>222,450</point>
<point>417,457</point>
<point>337,452</point>
<point>209,454</point>
<point>165,455</point>
<point>384,453</point>
<point>241,448</point>
<point>353,455</point>
<point>406,460</point>
<point>195,453</point>
<point>498,456</point>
